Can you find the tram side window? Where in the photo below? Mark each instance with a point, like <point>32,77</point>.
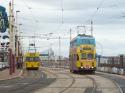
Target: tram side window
<point>77,57</point>
<point>74,57</point>
<point>83,56</point>
<point>30,59</point>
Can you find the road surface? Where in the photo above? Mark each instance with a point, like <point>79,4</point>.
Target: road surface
<point>59,80</point>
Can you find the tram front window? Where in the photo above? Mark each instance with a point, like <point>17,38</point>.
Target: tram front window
<point>83,56</point>
<point>30,59</point>
<point>36,59</point>
<point>90,56</point>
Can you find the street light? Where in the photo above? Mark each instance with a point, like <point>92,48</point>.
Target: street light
<point>20,32</point>
<point>16,36</point>
<point>19,27</point>
<point>17,17</point>
<point>17,50</point>
<point>17,21</point>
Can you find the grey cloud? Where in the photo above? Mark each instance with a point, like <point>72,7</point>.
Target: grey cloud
<point>44,16</point>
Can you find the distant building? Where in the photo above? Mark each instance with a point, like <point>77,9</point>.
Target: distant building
<point>47,55</point>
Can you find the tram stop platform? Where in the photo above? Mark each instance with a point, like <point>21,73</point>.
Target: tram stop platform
<point>4,74</point>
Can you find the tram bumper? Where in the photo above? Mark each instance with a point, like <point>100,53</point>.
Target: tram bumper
<point>87,69</point>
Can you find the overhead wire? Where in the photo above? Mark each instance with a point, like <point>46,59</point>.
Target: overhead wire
<point>116,4</point>
<point>62,13</point>
<point>61,8</point>
<point>100,5</point>
<point>30,9</point>
<point>33,17</point>
<point>95,12</point>
<point>92,16</point>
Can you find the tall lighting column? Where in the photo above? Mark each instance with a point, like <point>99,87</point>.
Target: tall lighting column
<point>16,37</point>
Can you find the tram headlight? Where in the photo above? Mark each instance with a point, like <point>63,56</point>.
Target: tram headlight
<point>81,67</point>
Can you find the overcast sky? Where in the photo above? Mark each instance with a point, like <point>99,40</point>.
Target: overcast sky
<point>45,16</point>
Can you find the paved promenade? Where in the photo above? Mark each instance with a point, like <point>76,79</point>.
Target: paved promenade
<point>5,74</point>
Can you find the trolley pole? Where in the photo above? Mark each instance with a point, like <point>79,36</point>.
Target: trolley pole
<point>78,28</point>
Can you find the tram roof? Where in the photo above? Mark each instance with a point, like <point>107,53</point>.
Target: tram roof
<point>84,36</point>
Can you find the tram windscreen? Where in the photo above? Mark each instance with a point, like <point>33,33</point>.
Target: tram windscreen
<point>32,59</point>
<point>83,56</point>
<point>90,56</point>
<point>86,41</point>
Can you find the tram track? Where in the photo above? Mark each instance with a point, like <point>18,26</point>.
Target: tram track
<point>67,74</point>
<point>94,86</point>
<point>92,89</point>
<point>115,80</point>
<point>88,89</point>
<point>30,77</point>
<point>67,82</point>
<point>73,81</point>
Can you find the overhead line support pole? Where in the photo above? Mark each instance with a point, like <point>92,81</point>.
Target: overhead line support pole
<point>70,34</point>
<point>59,52</point>
<point>12,38</point>
<point>91,28</point>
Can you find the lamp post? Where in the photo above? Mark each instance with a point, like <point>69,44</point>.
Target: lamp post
<point>17,18</point>
<point>16,37</point>
<point>20,58</point>
<point>49,50</point>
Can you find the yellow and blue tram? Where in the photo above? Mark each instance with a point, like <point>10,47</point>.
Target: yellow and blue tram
<point>32,61</point>
<point>82,54</point>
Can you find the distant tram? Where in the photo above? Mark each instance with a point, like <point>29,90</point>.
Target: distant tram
<point>82,54</point>
<point>32,61</point>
